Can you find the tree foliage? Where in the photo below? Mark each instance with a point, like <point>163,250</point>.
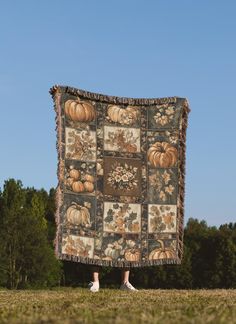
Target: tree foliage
<point>27,231</point>
<point>26,257</point>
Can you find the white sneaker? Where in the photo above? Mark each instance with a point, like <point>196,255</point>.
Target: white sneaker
<point>93,286</point>
<point>127,286</point>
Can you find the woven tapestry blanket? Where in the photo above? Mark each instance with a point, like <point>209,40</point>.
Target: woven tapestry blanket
<point>121,178</point>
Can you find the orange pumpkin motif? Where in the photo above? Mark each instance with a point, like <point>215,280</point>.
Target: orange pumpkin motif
<point>77,186</point>
<point>162,253</point>
<point>88,186</point>
<point>89,177</point>
<point>130,147</point>
<point>135,227</point>
<point>132,255</point>
<point>77,110</point>
<point>162,154</point>
<point>75,174</point>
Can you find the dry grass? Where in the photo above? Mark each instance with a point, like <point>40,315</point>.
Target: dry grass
<point>113,306</point>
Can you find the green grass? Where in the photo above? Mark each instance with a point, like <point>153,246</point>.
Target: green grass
<point>78,305</point>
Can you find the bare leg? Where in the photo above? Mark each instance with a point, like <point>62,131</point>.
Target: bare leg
<point>94,285</point>
<point>125,284</point>
<point>125,275</point>
<point>95,274</point>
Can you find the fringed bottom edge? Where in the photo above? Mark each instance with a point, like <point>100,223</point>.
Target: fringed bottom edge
<point>118,264</point>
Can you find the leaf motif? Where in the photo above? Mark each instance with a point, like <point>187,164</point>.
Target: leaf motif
<point>162,227</point>
<point>132,216</point>
<point>162,208</point>
<point>155,210</point>
<point>108,218</point>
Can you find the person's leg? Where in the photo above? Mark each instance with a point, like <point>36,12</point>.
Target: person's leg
<point>125,284</point>
<point>95,273</point>
<point>94,285</point>
<point>125,275</point>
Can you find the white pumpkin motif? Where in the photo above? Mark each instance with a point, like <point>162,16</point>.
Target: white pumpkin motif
<point>78,215</point>
<point>112,251</point>
<point>120,115</point>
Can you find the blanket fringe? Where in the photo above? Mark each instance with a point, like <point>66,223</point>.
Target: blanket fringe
<point>111,99</point>
<point>118,264</point>
<point>181,198</point>
<point>58,199</point>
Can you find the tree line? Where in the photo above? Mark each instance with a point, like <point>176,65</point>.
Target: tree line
<point>27,259</point>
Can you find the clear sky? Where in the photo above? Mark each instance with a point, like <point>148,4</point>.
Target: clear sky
<point>132,48</point>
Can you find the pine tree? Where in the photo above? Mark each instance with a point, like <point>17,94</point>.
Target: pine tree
<point>25,255</point>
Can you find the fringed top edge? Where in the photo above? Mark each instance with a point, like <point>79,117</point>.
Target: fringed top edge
<point>114,99</point>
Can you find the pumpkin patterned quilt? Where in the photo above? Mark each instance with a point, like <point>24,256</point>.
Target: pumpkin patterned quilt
<point>121,178</point>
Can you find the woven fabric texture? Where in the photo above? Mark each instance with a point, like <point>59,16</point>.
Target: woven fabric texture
<point>121,178</point>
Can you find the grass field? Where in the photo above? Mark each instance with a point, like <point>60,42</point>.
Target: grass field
<point>113,306</point>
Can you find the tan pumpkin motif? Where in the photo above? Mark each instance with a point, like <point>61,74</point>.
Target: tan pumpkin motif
<point>77,186</point>
<point>88,186</point>
<point>162,253</point>
<point>132,255</point>
<point>132,112</point>
<point>117,114</point>
<point>70,181</point>
<point>78,215</point>
<point>99,169</point>
<point>77,110</point>
<point>162,154</point>
<point>89,177</point>
<point>75,174</point>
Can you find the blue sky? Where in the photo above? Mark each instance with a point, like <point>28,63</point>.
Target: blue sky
<point>127,48</point>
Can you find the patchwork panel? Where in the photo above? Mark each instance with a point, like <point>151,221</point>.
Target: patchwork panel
<point>121,178</point>
<point>78,245</point>
<point>122,139</point>
<point>122,218</point>
<point>78,213</point>
<point>80,144</point>
<point>162,218</point>
<point>162,185</point>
